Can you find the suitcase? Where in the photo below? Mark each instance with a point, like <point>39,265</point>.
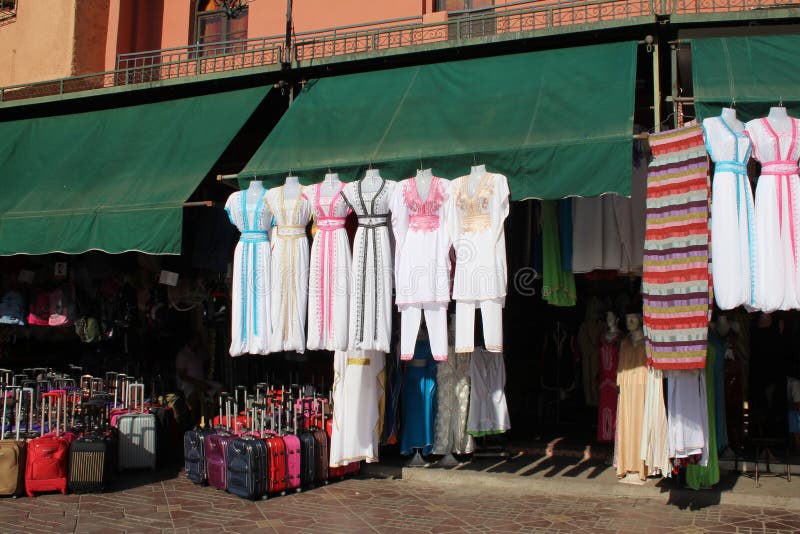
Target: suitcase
<point>194,455</point>
<point>137,434</point>
<point>247,467</point>
<point>215,449</point>
<point>168,435</point>
<point>321,456</point>
<point>13,451</point>
<point>47,455</point>
<point>292,454</point>
<point>90,463</point>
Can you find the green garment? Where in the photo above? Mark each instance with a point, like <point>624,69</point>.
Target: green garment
<point>558,288</point>
<point>698,476</point>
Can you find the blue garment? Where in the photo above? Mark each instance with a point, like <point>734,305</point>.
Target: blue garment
<point>718,346</point>
<point>565,233</point>
<point>419,402</point>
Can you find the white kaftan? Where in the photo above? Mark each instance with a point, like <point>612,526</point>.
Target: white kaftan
<point>289,270</point>
<point>422,263</point>
<point>488,412</point>
<point>732,215</point>
<point>370,321</point>
<point>476,227</point>
<point>776,215</point>
<point>331,263</point>
<point>358,400</point>
<point>687,414</point>
<point>250,314</point>
<point>452,406</point>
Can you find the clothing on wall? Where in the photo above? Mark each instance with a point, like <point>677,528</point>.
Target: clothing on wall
<point>452,406</point>
<point>676,283</point>
<point>558,288</point>
<point>419,401</point>
<point>687,414</point>
<point>698,476</point>
<point>370,318</point>
<point>251,323</point>
<point>732,215</point>
<point>655,429</point>
<point>488,411</point>
<point>289,270</point>
<point>632,382</point>
<point>331,265</point>
<point>590,335</point>
<point>607,378</point>
<point>565,234</point>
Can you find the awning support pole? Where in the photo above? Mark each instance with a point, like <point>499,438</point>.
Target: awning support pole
<point>656,89</point>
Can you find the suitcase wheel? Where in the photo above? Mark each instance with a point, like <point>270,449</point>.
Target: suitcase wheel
<point>298,490</point>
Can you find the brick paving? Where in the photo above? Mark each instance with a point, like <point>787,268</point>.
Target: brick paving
<point>167,503</point>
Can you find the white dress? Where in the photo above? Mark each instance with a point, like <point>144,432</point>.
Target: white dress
<point>732,216</point>
<point>329,281</point>
<point>370,318</point>
<point>687,414</point>
<point>250,313</point>
<point>776,217</point>
<point>488,411</point>
<point>289,270</point>
<point>358,399</point>
<point>422,252</point>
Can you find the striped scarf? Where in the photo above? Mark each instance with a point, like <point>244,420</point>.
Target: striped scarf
<point>676,282</point>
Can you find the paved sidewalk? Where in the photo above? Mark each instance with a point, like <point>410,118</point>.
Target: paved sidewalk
<point>169,503</point>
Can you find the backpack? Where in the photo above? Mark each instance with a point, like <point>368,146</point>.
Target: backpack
<point>62,306</point>
<point>39,312</point>
<point>12,308</point>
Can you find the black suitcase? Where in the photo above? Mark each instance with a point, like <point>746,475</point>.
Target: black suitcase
<point>90,463</point>
<point>247,467</point>
<point>308,459</point>
<point>168,437</point>
<point>194,454</point>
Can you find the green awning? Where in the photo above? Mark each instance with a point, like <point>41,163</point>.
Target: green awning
<point>555,122</point>
<point>113,180</point>
<point>756,72</point>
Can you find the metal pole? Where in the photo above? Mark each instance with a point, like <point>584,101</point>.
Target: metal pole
<point>675,88</point>
<point>656,89</point>
<point>288,31</point>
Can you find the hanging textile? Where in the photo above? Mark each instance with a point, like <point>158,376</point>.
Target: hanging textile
<point>419,400</point>
<point>565,232</point>
<point>558,288</point>
<point>488,412</point>
<point>607,377</point>
<point>452,406</point>
<point>590,337</point>
<point>391,413</point>
<point>718,347</point>
<point>687,414</point>
<point>632,382</point>
<point>655,430</point>
<point>698,476</point>
<point>676,283</point>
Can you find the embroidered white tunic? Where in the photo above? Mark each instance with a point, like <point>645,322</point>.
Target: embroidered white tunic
<point>370,318</point>
<point>250,313</point>
<point>476,226</point>
<point>358,399</point>
<point>422,256</point>
<point>289,270</point>
<point>331,264</point>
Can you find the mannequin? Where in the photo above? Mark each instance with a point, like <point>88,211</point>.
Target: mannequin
<point>607,379</point>
<point>291,187</point>
<point>476,174</point>
<point>331,185</point>
<point>253,194</point>
<point>612,328</point>
<point>423,181</point>
<point>633,321</point>
<point>371,181</point>
<point>779,119</point>
<point>632,382</point>
<point>728,116</point>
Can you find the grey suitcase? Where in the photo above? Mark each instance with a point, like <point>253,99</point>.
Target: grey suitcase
<point>137,434</point>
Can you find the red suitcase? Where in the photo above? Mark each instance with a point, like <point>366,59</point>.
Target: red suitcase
<point>48,455</point>
<point>276,459</point>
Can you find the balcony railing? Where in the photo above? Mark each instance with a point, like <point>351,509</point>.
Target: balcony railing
<point>504,21</point>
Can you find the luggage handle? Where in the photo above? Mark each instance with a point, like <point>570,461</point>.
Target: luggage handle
<point>5,401</point>
<point>31,409</point>
<point>136,390</point>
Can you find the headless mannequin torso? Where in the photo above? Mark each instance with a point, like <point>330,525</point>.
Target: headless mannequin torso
<point>779,119</point>
<point>330,185</point>
<point>371,181</point>
<point>476,174</point>
<point>423,181</point>
<point>728,116</point>
<point>253,194</point>
<point>291,188</point>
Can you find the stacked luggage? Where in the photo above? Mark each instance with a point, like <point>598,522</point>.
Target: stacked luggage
<point>264,444</point>
<point>70,433</point>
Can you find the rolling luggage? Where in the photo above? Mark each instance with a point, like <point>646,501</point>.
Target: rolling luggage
<point>136,433</point>
<point>276,458</point>
<point>215,449</point>
<point>321,456</point>
<point>292,443</point>
<point>90,463</point>
<point>247,467</point>
<point>47,455</point>
<point>13,451</point>
<point>194,454</point>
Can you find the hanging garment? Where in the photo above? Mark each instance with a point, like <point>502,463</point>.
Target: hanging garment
<point>250,307</point>
<point>732,215</point>
<point>590,335</point>
<point>476,226</point>
<point>422,262</point>
<point>565,233</point>
<point>607,408</point>
<point>718,347</point>
<point>655,430</point>
<point>370,319</point>
<point>358,402</point>
<point>676,284</point>
<point>777,216</point>
<point>289,270</point>
<point>698,476</point>
<point>331,264</point>
<point>419,401</point>
<point>394,385</point>
<point>558,286</point>
<point>687,414</point>
<point>632,382</point>
<point>488,411</point>
<point>452,406</point>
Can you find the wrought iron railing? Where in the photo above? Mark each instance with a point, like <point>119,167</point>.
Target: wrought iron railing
<point>8,10</point>
<point>504,21</point>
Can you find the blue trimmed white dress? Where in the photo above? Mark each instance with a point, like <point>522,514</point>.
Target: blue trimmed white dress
<point>250,313</point>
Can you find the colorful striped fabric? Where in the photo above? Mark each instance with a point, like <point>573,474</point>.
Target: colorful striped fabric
<point>676,282</point>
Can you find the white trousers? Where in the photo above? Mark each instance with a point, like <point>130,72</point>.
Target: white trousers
<point>492,316</point>
<point>436,322</point>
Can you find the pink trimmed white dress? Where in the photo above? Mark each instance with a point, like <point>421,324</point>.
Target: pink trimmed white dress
<point>329,279</point>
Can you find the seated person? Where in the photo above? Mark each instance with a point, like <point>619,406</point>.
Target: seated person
<point>190,374</point>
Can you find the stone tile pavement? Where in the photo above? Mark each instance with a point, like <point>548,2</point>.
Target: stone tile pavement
<point>165,502</point>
